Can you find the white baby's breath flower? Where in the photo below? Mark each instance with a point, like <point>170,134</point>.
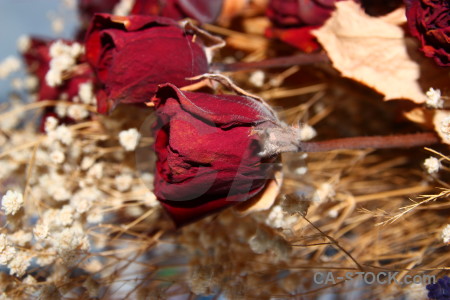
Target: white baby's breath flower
<point>307,132</point>
<point>278,219</point>
<point>257,78</point>
<point>77,112</point>
<point>29,280</point>
<point>62,63</point>
<point>17,84</point>
<point>57,25</point>
<point>87,162</point>
<point>60,193</point>
<point>96,171</point>
<point>93,266</point>
<point>86,93</point>
<point>123,182</point>
<point>23,43</point>
<point>7,255</point>
<point>147,179</point>
<point>134,211</point>
<point>446,234</point>
<point>62,133</point>
<point>10,121</point>
<point>31,82</point>
<point>445,127</point>
<point>432,164</point>
<point>301,170</point>
<point>324,192</point>
<point>7,167</point>
<point>12,201</point>
<point>333,213</point>
<point>57,157</point>
<point>9,65</point>
<point>66,215</point>
<point>71,239</point>
<point>55,186</point>
<point>434,99</point>
<point>76,50</point>
<point>58,48</point>
<point>20,237</point>
<point>61,110</point>
<point>83,199</point>
<point>95,216</point>
<point>63,58</point>
<point>416,291</point>
<point>50,124</point>
<point>260,242</point>
<point>40,231</point>
<point>129,139</point>
<point>19,264</point>
<point>53,77</point>
<point>70,4</point>
<point>150,199</point>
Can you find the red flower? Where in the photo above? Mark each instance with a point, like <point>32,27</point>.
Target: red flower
<point>293,21</point>
<point>204,11</point>
<point>87,8</point>
<point>296,13</point>
<point>132,55</point>
<point>429,21</point>
<point>208,155</point>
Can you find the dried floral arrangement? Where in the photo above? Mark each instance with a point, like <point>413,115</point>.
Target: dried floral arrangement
<point>225,149</point>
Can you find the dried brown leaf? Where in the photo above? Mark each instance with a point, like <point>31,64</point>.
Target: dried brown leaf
<point>371,50</point>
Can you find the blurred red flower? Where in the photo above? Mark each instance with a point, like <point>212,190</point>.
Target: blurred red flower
<point>293,21</point>
<point>132,55</point>
<point>429,21</point>
<point>204,11</point>
<point>208,154</point>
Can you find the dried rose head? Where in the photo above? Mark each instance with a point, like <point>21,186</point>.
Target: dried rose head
<point>293,21</point>
<point>208,154</point>
<point>429,21</point>
<point>132,55</point>
<point>204,11</point>
<point>87,8</point>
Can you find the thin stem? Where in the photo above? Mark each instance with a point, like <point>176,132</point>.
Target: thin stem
<point>377,142</point>
<point>278,62</point>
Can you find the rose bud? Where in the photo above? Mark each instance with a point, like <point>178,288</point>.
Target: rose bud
<point>204,11</point>
<point>132,55</point>
<point>429,21</point>
<point>208,154</point>
<point>293,21</point>
<point>61,74</point>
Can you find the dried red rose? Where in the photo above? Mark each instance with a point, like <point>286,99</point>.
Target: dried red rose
<point>293,21</point>
<point>208,154</point>
<point>204,11</point>
<point>87,8</point>
<point>429,21</point>
<point>132,55</point>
